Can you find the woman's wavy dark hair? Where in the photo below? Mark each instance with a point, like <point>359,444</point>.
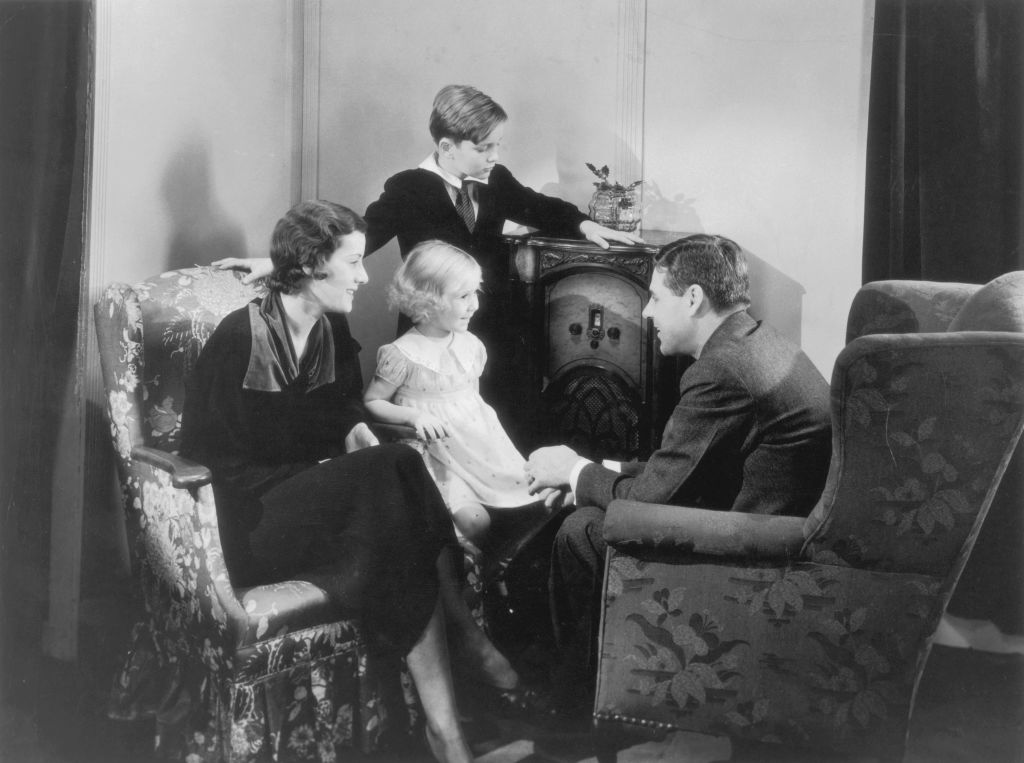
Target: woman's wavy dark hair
<point>714,263</point>
<point>305,238</point>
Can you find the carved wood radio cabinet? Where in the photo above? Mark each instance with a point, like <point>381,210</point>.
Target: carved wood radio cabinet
<point>591,376</point>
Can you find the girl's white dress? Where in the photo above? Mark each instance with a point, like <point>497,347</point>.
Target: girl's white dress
<point>477,463</point>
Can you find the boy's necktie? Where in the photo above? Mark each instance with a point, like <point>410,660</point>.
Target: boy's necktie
<point>464,204</point>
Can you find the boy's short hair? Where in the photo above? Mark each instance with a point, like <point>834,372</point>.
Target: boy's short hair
<point>306,237</point>
<point>714,263</point>
<point>462,112</point>
<point>431,268</point>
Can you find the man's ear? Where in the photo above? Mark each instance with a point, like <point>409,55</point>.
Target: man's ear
<point>445,145</point>
<point>696,299</point>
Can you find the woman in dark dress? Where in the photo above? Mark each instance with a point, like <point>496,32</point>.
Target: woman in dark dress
<point>304,489</point>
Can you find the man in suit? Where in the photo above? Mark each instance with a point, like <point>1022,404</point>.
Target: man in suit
<point>751,431</point>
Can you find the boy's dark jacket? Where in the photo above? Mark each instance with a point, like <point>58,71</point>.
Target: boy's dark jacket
<point>415,207</point>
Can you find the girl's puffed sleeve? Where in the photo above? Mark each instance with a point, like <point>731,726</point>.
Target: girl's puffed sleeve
<point>392,366</point>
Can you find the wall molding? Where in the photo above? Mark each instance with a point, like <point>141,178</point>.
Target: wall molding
<point>631,55</point>
<point>309,64</point>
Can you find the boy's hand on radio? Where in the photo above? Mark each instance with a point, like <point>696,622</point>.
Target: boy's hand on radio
<point>602,236</point>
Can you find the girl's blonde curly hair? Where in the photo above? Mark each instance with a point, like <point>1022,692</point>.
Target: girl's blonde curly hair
<point>432,268</point>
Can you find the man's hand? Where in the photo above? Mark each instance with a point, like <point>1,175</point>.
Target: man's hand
<point>254,267</point>
<point>601,235</point>
<point>360,437</point>
<point>550,467</point>
<point>429,427</point>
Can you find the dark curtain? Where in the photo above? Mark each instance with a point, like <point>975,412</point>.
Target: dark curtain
<point>944,160</point>
<point>45,79</point>
<point>943,203</point>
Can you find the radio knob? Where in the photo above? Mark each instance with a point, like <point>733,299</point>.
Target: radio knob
<point>614,333</point>
<point>575,329</point>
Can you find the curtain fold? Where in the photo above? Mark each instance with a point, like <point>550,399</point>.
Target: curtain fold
<point>45,80</point>
<point>945,125</point>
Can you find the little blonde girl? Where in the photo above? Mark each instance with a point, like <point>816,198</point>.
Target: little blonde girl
<point>428,379</point>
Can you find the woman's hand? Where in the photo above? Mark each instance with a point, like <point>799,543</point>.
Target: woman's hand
<point>253,267</point>
<point>360,437</point>
<point>601,235</point>
<point>429,427</point>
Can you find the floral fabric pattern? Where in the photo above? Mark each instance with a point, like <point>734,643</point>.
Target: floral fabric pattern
<point>804,654</point>
<point>259,674</point>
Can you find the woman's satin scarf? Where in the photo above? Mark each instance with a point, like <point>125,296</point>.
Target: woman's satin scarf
<point>272,362</point>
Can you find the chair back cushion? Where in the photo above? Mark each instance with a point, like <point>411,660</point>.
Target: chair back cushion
<point>923,427</point>
<point>905,307</point>
<point>996,306</point>
<point>178,311</point>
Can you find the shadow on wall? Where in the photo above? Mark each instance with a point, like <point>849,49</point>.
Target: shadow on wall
<point>775,298</point>
<point>200,229</point>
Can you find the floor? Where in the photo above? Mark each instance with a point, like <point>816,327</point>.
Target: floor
<point>970,709</point>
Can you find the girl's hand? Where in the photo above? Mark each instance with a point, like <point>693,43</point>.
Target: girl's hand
<point>254,267</point>
<point>359,437</point>
<point>555,498</point>
<point>429,427</point>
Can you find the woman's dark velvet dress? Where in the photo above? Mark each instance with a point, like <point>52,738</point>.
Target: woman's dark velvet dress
<point>367,527</point>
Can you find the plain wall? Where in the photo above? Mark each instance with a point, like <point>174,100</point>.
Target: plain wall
<point>197,147</point>
<point>756,129</point>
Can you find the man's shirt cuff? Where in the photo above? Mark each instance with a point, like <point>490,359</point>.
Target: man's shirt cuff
<point>574,475</point>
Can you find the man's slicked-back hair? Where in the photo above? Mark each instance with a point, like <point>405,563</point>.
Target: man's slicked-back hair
<point>714,263</point>
<point>462,112</point>
<point>305,238</point>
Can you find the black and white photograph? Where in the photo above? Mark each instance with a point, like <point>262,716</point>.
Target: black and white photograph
<point>542,381</point>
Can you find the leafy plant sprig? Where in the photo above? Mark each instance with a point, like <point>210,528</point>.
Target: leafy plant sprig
<point>605,184</point>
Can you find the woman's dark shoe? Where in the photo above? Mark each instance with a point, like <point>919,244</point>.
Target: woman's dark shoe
<point>518,703</point>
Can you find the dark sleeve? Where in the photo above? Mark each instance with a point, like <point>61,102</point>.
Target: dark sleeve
<point>414,207</point>
<point>701,448</point>
<point>217,425</point>
<point>525,206</point>
<point>346,408</point>
<point>383,217</point>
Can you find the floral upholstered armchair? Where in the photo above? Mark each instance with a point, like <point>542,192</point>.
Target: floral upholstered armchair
<point>814,633</point>
<point>230,674</point>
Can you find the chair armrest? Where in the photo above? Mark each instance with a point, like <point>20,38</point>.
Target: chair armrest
<point>392,432</point>
<point>177,496</point>
<point>184,473</point>
<point>702,531</point>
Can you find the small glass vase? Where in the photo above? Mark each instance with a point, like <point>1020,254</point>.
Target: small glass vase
<point>616,209</point>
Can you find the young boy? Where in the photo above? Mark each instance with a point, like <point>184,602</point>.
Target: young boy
<point>467,127</point>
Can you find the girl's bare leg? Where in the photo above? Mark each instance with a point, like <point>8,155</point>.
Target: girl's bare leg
<point>473,648</point>
<point>430,668</point>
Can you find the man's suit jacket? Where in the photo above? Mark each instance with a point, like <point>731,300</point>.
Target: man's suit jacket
<point>415,207</point>
<point>751,431</point>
